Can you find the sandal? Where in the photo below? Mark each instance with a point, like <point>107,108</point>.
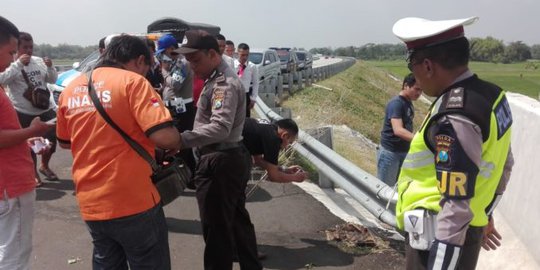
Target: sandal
<point>49,175</point>
<point>39,183</point>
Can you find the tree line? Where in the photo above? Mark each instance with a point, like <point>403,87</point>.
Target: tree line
<point>486,49</point>
<point>63,51</point>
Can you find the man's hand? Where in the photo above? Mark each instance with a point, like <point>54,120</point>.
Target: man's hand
<point>251,103</point>
<point>39,128</point>
<point>298,174</point>
<point>25,59</point>
<point>48,61</point>
<point>491,239</point>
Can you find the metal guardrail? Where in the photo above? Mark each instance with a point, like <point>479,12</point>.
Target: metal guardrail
<point>372,193</point>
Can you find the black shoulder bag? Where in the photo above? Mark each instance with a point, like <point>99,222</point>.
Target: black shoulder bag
<point>170,179</point>
<point>39,97</point>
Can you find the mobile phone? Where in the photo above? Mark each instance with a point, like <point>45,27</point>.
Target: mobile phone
<point>52,121</point>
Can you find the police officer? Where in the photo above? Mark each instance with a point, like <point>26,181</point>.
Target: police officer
<point>460,160</point>
<point>264,141</point>
<point>224,163</point>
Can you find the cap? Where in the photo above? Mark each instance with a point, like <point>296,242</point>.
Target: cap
<point>197,40</point>
<point>166,41</point>
<point>420,33</point>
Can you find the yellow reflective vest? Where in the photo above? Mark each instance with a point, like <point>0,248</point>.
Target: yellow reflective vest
<point>486,105</point>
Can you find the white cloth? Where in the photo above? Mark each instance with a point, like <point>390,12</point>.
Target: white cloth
<point>250,78</point>
<point>38,74</point>
<point>16,221</point>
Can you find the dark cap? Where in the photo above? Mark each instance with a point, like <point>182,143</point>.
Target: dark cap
<point>420,33</point>
<point>198,40</point>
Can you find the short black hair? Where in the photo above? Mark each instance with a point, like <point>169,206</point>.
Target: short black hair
<point>220,37</point>
<point>123,49</point>
<point>243,46</point>
<point>288,125</point>
<point>25,36</point>
<point>7,31</point>
<point>101,43</point>
<point>151,44</point>
<point>449,55</point>
<point>229,42</point>
<point>409,81</point>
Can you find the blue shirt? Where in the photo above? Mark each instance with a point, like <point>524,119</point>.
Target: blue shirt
<point>397,107</point>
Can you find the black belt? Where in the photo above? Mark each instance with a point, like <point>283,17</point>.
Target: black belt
<point>218,147</point>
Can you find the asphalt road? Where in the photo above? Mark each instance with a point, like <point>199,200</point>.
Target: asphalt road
<point>289,225</point>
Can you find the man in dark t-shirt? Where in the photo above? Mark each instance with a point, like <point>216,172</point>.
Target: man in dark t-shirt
<point>396,134</point>
<point>264,141</point>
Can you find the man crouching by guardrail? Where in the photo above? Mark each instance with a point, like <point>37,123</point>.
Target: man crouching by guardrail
<point>264,141</point>
<point>460,160</point>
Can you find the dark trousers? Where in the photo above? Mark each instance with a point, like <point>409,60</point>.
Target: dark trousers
<point>221,179</point>
<point>248,100</point>
<point>140,240</point>
<point>418,259</point>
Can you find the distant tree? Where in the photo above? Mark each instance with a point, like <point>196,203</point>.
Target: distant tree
<point>63,51</point>
<point>373,51</point>
<point>516,52</point>
<point>486,49</point>
<point>323,51</point>
<point>535,51</point>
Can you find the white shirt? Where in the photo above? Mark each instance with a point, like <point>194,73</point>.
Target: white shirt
<point>38,74</point>
<point>250,77</point>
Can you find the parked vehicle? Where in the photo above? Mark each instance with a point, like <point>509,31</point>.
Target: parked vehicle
<point>305,60</point>
<point>267,61</point>
<point>288,59</point>
<point>66,77</point>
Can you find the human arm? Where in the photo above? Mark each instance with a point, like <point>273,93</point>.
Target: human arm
<point>457,144</point>
<point>11,73</point>
<point>491,238</point>
<point>11,137</point>
<point>52,75</point>
<point>254,86</point>
<point>278,174</point>
<point>399,130</point>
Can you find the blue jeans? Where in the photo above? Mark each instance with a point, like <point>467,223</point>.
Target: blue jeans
<point>140,240</point>
<point>388,165</point>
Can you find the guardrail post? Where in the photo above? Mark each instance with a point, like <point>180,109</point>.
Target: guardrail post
<point>323,135</point>
<point>300,79</point>
<point>268,98</point>
<point>290,83</point>
<point>309,77</point>
<point>280,87</point>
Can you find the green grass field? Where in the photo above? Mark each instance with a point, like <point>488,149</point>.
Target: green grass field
<point>515,77</point>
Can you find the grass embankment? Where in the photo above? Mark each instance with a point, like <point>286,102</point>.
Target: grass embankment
<point>523,78</point>
<point>357,100</point>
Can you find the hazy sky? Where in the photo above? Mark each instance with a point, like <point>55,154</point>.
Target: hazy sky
<point>299,23</point>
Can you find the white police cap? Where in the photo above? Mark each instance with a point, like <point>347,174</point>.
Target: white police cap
<point>419,33</point>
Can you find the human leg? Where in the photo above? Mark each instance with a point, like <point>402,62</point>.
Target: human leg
<point>16,221</point>
<point>388,165</point>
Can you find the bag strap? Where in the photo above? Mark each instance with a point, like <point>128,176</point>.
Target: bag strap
<point>135,145</point>
<point>25,76</point>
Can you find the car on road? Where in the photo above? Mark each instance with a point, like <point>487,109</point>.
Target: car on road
<point>267,62</point>
<point>288,59</point>
<point>305,60</point>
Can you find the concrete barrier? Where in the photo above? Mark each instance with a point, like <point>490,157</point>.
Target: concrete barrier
<point>520,203</point>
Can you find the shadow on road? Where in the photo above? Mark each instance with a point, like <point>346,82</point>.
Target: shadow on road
<point>47,194</point>
<point>318,254</point>
<point>184,226</point>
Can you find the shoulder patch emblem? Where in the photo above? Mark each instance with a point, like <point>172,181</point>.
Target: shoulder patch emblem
<point>443,148</point>
<point>220,78</point>
<point>217,98</point>
<point>456,98</point>
<point>503,115</point>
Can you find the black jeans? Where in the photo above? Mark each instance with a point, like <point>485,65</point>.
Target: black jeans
<point>221,178</point>
<point>140,240</point>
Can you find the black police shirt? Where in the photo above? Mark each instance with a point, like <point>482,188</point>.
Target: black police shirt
<point>261,138</point>
<point>397,107</point>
